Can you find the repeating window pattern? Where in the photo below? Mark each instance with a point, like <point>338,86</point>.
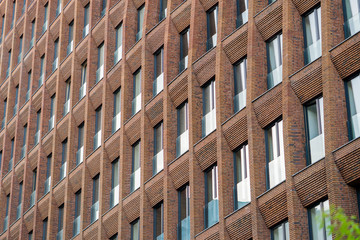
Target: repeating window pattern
<point>118,43</point>
<point>240,85</point>
<point>209,111</point>
<point>318,222</point>
<point>352,17</point>
<point>353,100</point>
<point>184,213</point>
<point>242,177</point>
<point>312,35</point>
<point>158,84</point>
<point>211,210</point>
<point>182,140</point>
<point>280,232</point>
<point>135,171</point>
<point>184,49</point>
<point>242,12</point>
<point>212,20</point>
<point>158,159</point>
<point>274,53</point>
<point>136,102</point>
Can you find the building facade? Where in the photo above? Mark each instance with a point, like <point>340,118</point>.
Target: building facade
<point>172,119</point>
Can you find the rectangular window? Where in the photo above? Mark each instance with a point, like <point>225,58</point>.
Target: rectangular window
<point>47,183</point>
<point>67,97</point>
<point>212,19</point>
<point>95,199</point>
<point>20,49</point>
<point>1,153</point>
<point>318,222</point>
<point>45,223</point>
<point>19,207</point>
<point>158,159</point>
<point>184,49</point>
<point>140,22</point>
<point>6,219</point>
<point>211,197</point>
<point>9,64</point>
<point>42,73</point>
<point>32,34</point>
<point>118,43</point>
<point>136,102</point>
<point>82,91</point>
<point>135,170</point>
<point>274,57</point>
<point>184,213</point>
<point>2,27</point>
<point>352,17</point>
<point>37,131</point>
<point>353,105</point>
<point>103,7</point>
<point>209,111</point>
<point>77,217</point>
<point>16,99</point>
<point>27,96</point>
<point>70,45</point>
<point>52,112</point>
<point>58,7</point>
<point>86,20</point>
<point>114,194</point>
<point>4,116</point>
<point>242,177</point>
<point>158,84</point>
<point>280,232</point>
<point>117,111</point>
<point>33,189</point>
<point>45,25</point>
<point>163,9</point>
<point>275,154</point>
<point>80,147</point>
<point>314,115</point>
<point>135,230</point>
<point>23,148</point>
<point>11,154</point>
<point>240,85</point>
<point>63,159</point>
<point>242,12</point>
<point>56,52</point>
<point>100,64</point>
<point>59,235</point>
<point>13,15</point>
<point>182,140</point>
<point>114,237</point>
<point>159,222</point>
<point>97,136</point>
<point>312,35</point>
<point>30,235</point>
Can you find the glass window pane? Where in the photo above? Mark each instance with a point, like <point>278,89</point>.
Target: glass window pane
<point>354,105</point>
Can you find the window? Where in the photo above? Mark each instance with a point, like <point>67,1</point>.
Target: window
<point>37,131</point>
<point>59,235</point>
<point>82,91</point>
<point>70,45</point>
<point>30,235</point>
<point>2,28</point>
<point>77,217</point>
<point>182,140</point>
<point>242,12</point>
<point>0,158</point>
<point>158,159</point>
<point>86,20</point>
<point>58,7</point>
<point>275,154</point>
<point>42,74</point>
<point>118,43</point>
<point>11,154</point>
<point>314,115</point>
<point>212,18</point>
<point>159,221</point>
<point>274,57</point>
<point>13,15</point>
<point>16,99</point>
<point>27,96</point>
<point>116,121</point>
<point>184,49</point>
<point>97,136</point>
<point>211,197</point>
<point>242,177</point>
<point>280,232</point>
<point>33,189</point>
<point>56,52</point>
<point>353,105</point>
<point>80,147</point>
<point>135,170</point>
<point>114,194</point>
<point>184,213</point>
<point>67,97</point>
<point>32,34</point>
<point>114,237</point>
<point>9,64</point>
<point>135,230</point>
<point>271,1</point>
<point>4,116</point>
<point>45,25</point>
<point>319,229</point>
<point>52,112</point>
<point>136,102</point>
<point>163,9</point>
<point>100,65</point>
<point>240,85</point>
<point>47,183</point>
<point>6,219</point>
<point>209,111</point>
<point>45,223</point>
<point>63,159</point>
<point>312,35</point>
<point>18,209</point>
<point>103,7</point>
<point>352,17</point>
<point>95,199</point>
<point>20,49</point>
<point>140,22</point>
<point>158,84</point>
<point>23,148</point>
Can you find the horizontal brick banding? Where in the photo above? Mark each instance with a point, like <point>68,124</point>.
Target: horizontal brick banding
<point>110,221</point>
<point>155,189</point>
<point>75,178</point>
<point>269,21</point>
<point>132,129</point>
<point>131,206</point>
<point>29,219</point>
<point>93,163</point>
<point>239,224</point>
<point>178,90</point>
<point>59,193</point>
<point>211,233</point>
<point>154,110</point>
<point>92,231</point>
<point>133,57</point>
<point>235,46</point>
<point>204,68</point>
<point>181,16</point>
<point>179,171</point>
<point>205,151</point>
<point>112,146</point>
<point>304,6</point>
<point>43,206</point>
<point>207,4</point>
<point>155,38</point>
